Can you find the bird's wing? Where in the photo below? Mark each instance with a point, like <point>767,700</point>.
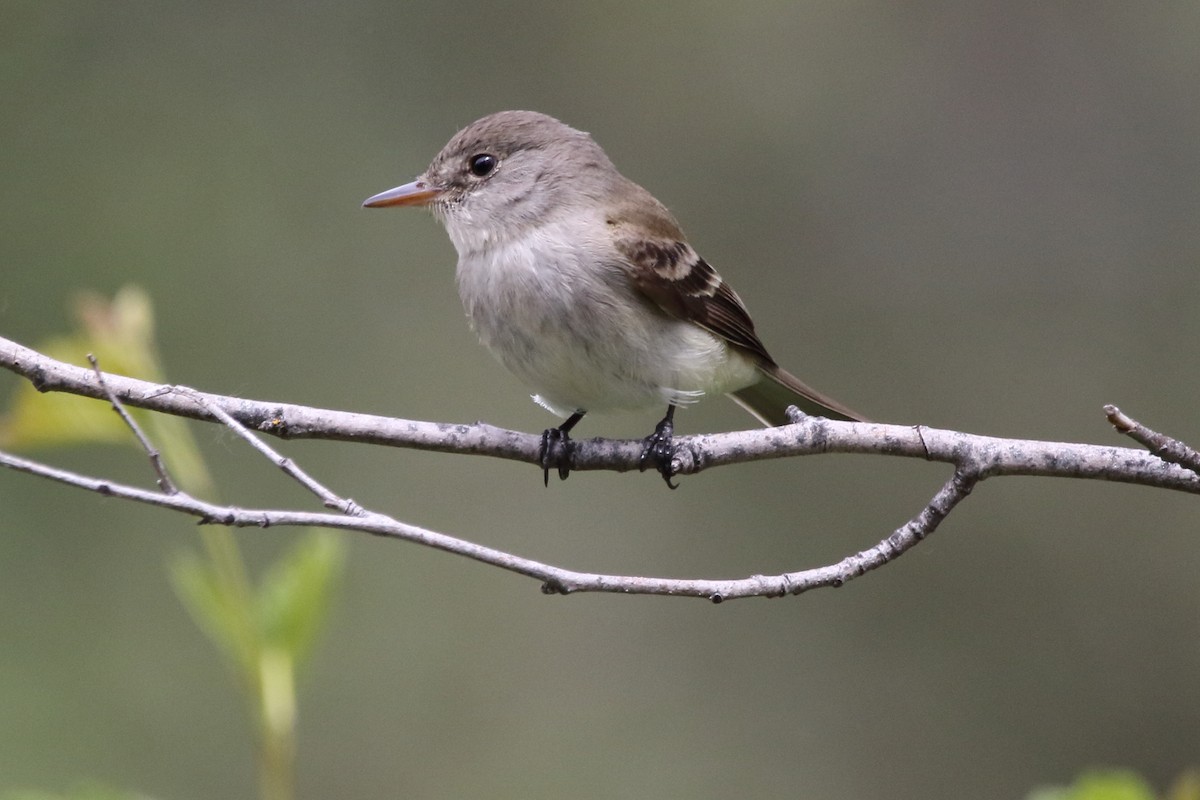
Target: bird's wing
<point>677,280</point>
<point>665,268</point>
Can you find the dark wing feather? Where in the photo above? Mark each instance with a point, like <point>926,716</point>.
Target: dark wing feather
<point>670,273</point>
<point>665,268</point>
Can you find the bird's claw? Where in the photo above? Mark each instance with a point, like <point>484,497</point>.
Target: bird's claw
<point>557,452</point>
<point>659,452</point>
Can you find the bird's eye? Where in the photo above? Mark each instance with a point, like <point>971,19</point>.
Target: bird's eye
<point>482,165</point>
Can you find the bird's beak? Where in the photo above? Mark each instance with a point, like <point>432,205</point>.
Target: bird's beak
<point>417,193</point>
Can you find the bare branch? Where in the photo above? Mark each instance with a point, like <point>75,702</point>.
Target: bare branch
<point>975,458</point>
<point>555,580</point>
<point>285,420</point>
<point>985,455</point>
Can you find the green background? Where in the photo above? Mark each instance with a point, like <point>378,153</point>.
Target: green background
<point>970,215</point>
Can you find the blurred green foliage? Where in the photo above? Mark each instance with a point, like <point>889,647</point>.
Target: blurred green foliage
<point>120,334</point>
<point>1120,785</point>
<point>265,632</point>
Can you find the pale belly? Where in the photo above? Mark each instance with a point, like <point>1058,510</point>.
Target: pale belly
<point>586,340</point>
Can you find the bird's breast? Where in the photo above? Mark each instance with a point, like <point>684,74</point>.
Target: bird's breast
<point>561,312</point>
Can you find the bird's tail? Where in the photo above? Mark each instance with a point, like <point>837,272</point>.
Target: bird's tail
<point>769,398</point>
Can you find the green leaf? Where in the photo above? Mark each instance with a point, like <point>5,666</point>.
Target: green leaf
<point>295,594</point>
<point>120,334</point>
<point>199,588</point>
<point>1100,785</point>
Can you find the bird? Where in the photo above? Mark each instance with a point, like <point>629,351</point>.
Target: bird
<point>584,286</point>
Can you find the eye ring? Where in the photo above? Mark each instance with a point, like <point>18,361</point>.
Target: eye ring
<point>482,164</point>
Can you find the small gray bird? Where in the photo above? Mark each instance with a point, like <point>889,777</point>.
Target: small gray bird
<point>583,285</point>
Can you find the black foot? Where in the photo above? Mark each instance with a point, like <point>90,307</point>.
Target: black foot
<point>557,451</point>
<point>660,450</point>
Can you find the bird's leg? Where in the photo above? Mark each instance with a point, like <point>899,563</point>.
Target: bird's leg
<point>557,448</point>
<point>660,448</point>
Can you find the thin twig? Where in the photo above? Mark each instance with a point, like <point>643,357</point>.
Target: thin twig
<point>555,580</point>
<point>290,467</point>
<point>160,469</point>
<point>1168,449</point>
